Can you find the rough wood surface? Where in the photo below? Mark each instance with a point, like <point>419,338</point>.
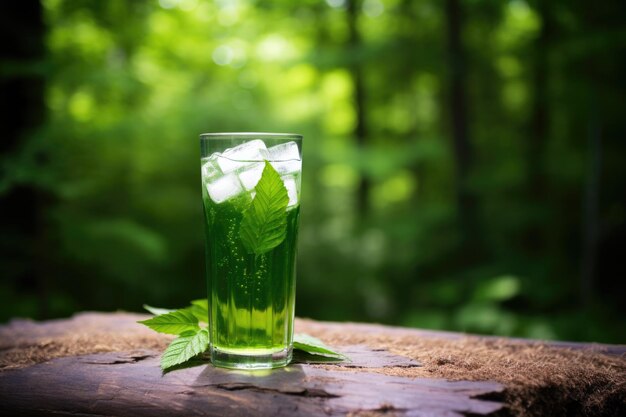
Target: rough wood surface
<point>45,371</point>
<point>131,384</point>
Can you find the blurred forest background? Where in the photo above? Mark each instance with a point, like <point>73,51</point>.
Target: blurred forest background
<point>463,159</point>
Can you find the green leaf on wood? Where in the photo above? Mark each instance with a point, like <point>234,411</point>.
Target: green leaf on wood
<point>314,346</point>
<point>200,309</point>
<point>176,322</point>
<point>185,347</point>
<point>201,302</point>
<point>157,310</point>
<point>264,223</point>
<point>194,340</point>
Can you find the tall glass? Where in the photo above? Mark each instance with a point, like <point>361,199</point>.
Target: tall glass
<point>251,194</point>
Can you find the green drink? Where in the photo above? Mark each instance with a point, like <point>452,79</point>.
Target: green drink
<point>250,188</point>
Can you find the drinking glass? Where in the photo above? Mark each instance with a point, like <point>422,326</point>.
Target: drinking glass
<point>251,196</point>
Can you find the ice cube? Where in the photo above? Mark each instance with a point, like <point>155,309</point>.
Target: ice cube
<point>242,155</point>
<point>285,158</point>
<point>284,152</point>
<point>250,175</point>
<point>224,188</point>
<point>291,184</point>
<point>287,167</point>
<point>210,168</point>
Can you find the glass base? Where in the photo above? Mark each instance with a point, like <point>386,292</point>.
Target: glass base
<point>250,358</point>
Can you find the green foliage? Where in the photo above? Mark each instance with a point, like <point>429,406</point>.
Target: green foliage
<point>130,85</point>
<point>264,223</point>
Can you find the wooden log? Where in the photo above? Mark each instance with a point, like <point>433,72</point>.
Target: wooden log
<point>131,384</point>
<point>44,371</point>
<point>395,331</point>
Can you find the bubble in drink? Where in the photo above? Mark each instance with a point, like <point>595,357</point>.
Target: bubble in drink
<point>242,155</point>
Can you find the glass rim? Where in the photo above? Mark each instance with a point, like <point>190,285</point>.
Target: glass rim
<point>227,135</point>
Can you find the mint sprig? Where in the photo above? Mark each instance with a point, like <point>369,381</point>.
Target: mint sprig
<point>200,309</point>
<point>193,339</point>
<point>264,223</point>
<point>176,322</point>
<point>157,311</point>
<point>185,347</point>
<point>315,346</point>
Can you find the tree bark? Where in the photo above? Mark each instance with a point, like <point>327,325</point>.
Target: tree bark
<point>131,383</point>
<point>107,364</point>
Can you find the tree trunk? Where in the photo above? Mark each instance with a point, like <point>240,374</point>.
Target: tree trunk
<point>535,240</point>
<point>22,112</point>
<point>462,149</point>
<point>591,202</point>
<point>360,128</point>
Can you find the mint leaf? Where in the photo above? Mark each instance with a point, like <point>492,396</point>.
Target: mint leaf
<point>193,340</point>
<point>157,310</point>
<point>185,347</point>
<point>200,309</point>
<point>175,322</point>
<point>202,303</point>
<point>314,346</point>
<point>300,356</point>
<point>264,223</point>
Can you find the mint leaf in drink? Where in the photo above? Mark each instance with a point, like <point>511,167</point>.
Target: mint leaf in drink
<point>157,310</point>
<point>185,347</point>
<point>176,322</point>
<point>264,223</point>
<point>314,346</point>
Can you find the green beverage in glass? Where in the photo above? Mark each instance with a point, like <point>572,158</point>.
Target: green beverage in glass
<point>251,194</point>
